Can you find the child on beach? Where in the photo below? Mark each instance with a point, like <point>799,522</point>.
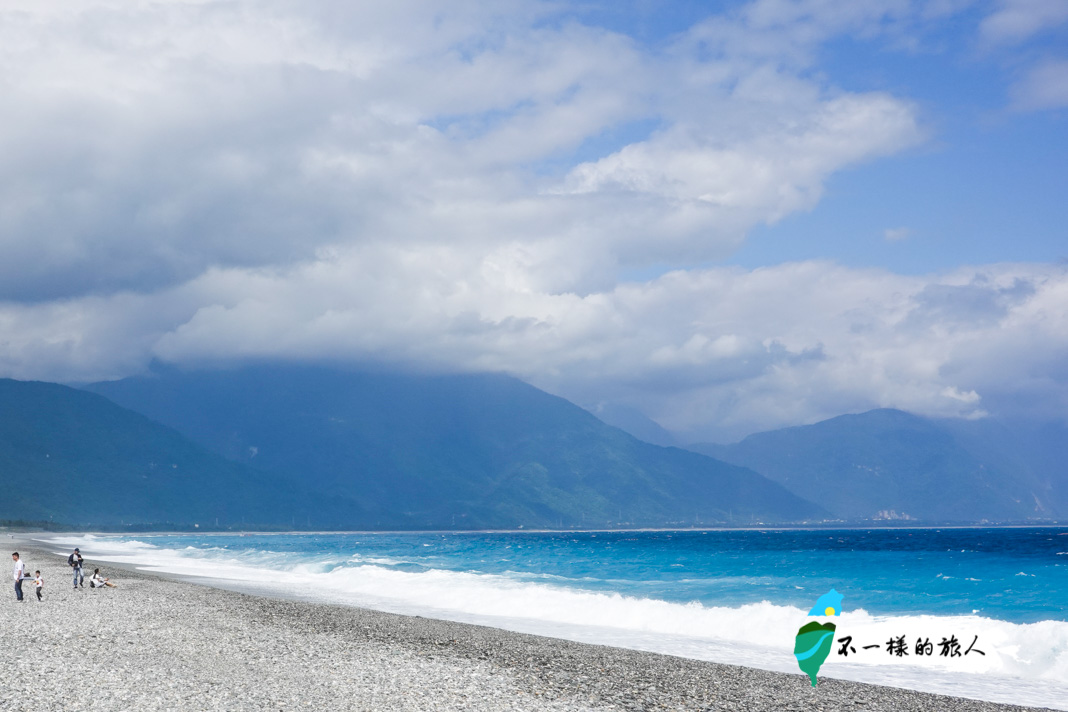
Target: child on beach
<point>39,584</point>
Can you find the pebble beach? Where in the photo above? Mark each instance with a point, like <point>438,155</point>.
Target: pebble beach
<point>154,643</point>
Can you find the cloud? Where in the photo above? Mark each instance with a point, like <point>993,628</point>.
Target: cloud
<point>711,353</point>
<point>800,342</point>
<point>1017,20</point>
<point>791,32</point>
<point>896,234</point>
<point>146,143</point>
<point>1045,86</point>
<point>1044,81</point>
<point>459,187</point>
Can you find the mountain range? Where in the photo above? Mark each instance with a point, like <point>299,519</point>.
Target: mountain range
<point>313,447</point>
<point>428,451</point>
<point>892,465</point>
<point>75,457</point>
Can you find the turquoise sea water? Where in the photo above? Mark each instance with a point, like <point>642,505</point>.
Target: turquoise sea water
<point>1017,575</point>
<point>734,596</point>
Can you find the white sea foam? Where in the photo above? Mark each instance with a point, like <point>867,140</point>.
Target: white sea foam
<point>1022,664</point>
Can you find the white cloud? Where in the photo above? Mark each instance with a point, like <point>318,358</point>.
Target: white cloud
<point>1044,82</point>
<point>1044,87</point>
<point>198,181</point>
<point>791,31</point>
<point>150,142</point>
<point>896,234</point>
<point>731,182</point>
<point>1017,20</point>
<point>708,353</point>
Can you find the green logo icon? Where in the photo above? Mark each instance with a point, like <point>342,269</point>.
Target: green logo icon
<point>814,639</point>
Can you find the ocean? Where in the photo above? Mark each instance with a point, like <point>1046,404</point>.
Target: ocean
<point>972,612</point>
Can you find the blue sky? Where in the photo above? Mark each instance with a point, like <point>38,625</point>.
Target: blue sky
<point>982,194</point>
<point>726,217</point>
<point>985,187</point>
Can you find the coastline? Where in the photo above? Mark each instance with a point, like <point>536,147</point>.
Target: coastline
<point>160,643</point>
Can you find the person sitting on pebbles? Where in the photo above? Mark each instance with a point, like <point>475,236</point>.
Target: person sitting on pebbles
<point>98,581</point>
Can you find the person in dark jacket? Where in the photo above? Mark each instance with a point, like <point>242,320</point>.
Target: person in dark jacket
<point>75,562</point>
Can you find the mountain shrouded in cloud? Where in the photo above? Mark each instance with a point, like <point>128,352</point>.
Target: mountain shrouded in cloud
<point>544,190</point>
<point>449,451</point>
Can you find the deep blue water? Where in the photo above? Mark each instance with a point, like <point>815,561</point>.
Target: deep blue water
<point>1016,575</point>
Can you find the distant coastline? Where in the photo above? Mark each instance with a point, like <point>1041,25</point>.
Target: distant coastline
<point>6,528</point>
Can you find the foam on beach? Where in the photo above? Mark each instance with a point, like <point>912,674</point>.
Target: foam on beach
<point>1022,664</point>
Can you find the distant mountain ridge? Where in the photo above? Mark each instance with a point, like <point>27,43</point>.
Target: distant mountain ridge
<point>79,459</point>
<point>888,464</point>
<point>450,451</point>
<point>275,446</point>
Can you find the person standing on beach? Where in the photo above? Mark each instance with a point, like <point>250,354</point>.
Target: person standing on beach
<point>20,571</point>
<point>38,582</point>
<point>75,562</point>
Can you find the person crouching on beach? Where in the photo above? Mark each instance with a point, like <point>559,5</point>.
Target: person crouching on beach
<point>98,581</point>
<point>38,583</point>
<point>20,571</point>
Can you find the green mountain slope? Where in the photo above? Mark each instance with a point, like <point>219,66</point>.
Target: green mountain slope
<point>891,464</point>
<point>77,458</point>
<point>464,451</point>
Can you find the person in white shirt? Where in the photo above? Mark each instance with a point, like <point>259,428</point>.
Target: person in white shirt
<point>20,571</point>
<point>98,581</point>
<point>38,583</point>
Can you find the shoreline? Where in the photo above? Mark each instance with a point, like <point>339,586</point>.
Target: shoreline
<point>166,643</point>
<point>31,533</point>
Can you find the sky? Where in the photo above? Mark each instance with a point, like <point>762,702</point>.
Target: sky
<point>725,217</point>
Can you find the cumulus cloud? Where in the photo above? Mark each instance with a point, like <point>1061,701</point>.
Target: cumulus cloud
<point>749,350</point>
<point>707,353</point>
<point>145,143</point>
<point>459,187</point>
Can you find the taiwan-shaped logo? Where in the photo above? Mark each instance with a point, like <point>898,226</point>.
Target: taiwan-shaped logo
<point>815,639</point>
